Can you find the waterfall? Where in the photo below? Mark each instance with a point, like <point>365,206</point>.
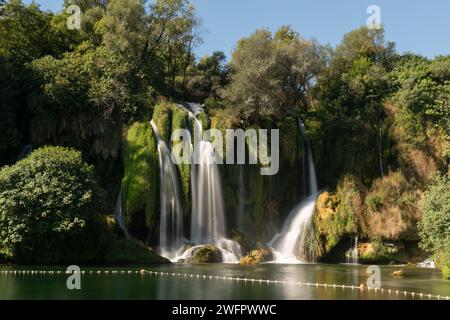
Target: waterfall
<point>352,254</point>
<point>119,215</point>
<point>26,150</point>
<point>171,229</point>
<point>208,211</point>
<point>292,241</point>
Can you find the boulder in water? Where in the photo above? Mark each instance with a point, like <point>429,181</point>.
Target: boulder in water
<point>205,254</point>
<point>257,256</point>
<point>399,273</point>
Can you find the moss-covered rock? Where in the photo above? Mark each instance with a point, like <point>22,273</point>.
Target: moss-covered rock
<point>205,254</point>
<point>180,120</point>
<point>381,252</point>
<point>127,251</point>
<point>336,216</point>
<point>140,181</point>
<point>204,119</point>
<point>162,117</point>
<point>257,256</point>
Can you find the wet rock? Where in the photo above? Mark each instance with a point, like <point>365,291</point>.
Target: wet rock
<point>399,273</point>
<point>205,254</point>
<point>257,256</point>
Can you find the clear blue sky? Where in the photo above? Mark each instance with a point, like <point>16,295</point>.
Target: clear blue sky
<point>419,26</point>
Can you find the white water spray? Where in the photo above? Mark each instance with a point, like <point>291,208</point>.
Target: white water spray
<point>291,243</point>
<point>352,254</point>
<point>208,211</point>
<point>119,215</point>
<point>171,228</point>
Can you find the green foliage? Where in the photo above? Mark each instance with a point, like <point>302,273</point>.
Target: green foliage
<point>208,77</point>
<point>290,140</point>
<point>162,113</point>
<point>83,98</point>
<point>391,211</point>
<point>377,252</point>
<point>350,96</point>
<point>26,33</point>
<point>434,227</point>
<point>204,119</point>
<point>338,215</point>
<point>422,99</point>
<point>49,208</point>
<point>271,75</point>
<point>140,181</point>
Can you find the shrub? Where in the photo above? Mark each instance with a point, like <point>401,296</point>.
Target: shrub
<point>49,204</point>
<point>434,226</point>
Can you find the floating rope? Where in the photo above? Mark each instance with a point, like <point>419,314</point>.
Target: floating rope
<point>223,278</point>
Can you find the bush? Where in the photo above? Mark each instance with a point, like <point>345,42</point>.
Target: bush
<point>434,228</point>
<point>49,204</point>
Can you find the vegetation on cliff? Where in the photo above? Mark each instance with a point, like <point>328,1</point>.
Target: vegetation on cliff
<point>140,180</point>
<point>377,119</point>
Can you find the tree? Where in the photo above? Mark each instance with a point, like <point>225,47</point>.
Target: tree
<point>49,208</point>
<point>350,95</point>
<point>272,75</point>
<point>83,99</point>
<point>435,223</point>
<point>26,33</point>
<point>161,39</point>
<point>208,78</point>
<point>434,228</point>
<point>125,24</point>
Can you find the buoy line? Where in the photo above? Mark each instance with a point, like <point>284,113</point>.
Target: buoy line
<point>223,278</point>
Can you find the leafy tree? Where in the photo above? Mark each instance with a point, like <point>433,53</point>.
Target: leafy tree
<point>435,224</point>
<point>350,95</point>
<point>82,99</point>
<point>434,228</point>
<point>208,78</point>
<point>161,39</point>
<point>423,98</point>
<point>26,33</point>
<point>272,75</point>
<point>49,208</point>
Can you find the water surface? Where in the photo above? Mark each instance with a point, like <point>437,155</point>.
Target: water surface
<point>133,285</point>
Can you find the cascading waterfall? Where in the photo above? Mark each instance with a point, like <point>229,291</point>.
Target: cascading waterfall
<point>208,213</point>
<point>352,254</point>
<point>171,215</point>
<point>292,241</point>
<point>119,215</point>
<point>26,150</point>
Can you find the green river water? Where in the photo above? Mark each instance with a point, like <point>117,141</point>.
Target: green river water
<point>133,285</point>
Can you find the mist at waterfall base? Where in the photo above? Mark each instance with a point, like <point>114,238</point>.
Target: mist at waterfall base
<point>291,245</point>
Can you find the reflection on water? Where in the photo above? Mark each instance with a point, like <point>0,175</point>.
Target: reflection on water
<point>137,286</point>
